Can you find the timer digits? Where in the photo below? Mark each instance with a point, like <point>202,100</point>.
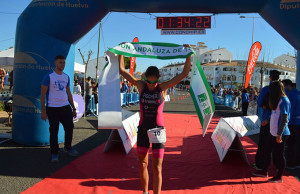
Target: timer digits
<point>184,22</point>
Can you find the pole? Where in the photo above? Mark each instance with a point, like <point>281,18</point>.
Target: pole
<point>214,77</point>
<point>253,31</point>
<point>98,51</point>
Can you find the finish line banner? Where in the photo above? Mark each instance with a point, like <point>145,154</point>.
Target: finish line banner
<point>199,88</point>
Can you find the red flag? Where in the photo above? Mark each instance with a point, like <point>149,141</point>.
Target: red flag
<point>132,62</point>
<point>253,56</point>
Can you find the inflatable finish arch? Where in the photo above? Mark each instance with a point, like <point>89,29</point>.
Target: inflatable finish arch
<point>47,28</point>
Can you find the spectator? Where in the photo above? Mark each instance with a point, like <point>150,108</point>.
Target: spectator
<point>11,80</point>
<point>293,142</point>
<point>245,102</point>
<point>95,92</point>
<point>77,88</point>
<point>125,87</point>
<point>279,132</point>
<point>263,102</point>
<point>88,94</point>
<point>56,85</point>
<point>2,76</point>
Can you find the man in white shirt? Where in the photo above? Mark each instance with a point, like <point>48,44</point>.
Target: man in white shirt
<point>76,88</point>
<point>56,85</point>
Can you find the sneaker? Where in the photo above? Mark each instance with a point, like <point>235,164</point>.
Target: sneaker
<point>71,152</point>
<point>275,180</point>
<point>291,167</point>
<point>54,158</point>
<point>255,167</point>
<point>260,173</point>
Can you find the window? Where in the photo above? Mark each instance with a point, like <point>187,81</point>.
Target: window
<point>233,78</point>
<point>228,78</point>
<point>224,78</point>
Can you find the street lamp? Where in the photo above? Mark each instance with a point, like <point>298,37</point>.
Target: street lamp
<point>253,17</point>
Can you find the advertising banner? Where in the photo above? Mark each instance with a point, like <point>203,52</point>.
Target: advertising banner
<point>253,56</point>
<point>229,130</point>
<point>132,62</point>
<point>127,135</point>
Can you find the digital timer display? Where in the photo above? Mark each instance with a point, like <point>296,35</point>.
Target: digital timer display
<point>184,22</point>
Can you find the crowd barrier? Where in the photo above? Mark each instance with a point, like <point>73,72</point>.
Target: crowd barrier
<point>233,102</point>
<point>128,99</point>
<point>229,100</point>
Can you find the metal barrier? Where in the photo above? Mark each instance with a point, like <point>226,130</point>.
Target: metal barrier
<point>129,99</point>
<point>93,106</point>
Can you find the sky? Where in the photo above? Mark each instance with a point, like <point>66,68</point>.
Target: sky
<point>228,31</point>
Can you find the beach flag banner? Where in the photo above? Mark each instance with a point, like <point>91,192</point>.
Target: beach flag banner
<point>253,57</point>
<point>201,94</point>
<point>227,134</point>
<point>127,135</point>
<point>199,88</point>
<point>132,62</point>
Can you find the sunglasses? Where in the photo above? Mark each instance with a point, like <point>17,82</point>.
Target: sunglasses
<point>151,82</point>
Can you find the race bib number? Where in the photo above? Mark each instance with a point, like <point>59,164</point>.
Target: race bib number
<point>157,135</point>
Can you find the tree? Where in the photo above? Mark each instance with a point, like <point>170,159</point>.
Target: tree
<point>127,63</point>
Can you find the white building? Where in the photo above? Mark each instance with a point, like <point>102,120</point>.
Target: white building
<point>232,73</point>
<point>286,61</point>
<point>219,68</point>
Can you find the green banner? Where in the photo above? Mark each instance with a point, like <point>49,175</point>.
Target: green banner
<point>199,88</point>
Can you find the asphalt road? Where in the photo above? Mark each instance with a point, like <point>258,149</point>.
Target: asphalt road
<point>22,166</point>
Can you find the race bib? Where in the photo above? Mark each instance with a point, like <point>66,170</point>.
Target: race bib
<point>157,135</point>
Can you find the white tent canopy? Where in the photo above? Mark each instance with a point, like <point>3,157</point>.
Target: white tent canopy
<point>7,57</point>
<point>79,68</point>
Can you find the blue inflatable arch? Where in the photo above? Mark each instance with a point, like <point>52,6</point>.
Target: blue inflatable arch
<point>47,28</point>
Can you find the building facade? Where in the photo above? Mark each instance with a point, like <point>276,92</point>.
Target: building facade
<point>220,69</point>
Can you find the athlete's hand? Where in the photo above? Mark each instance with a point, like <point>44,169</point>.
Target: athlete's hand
<point>44,116</point>
<point>187,45</point>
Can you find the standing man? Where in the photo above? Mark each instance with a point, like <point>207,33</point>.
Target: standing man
<point>88,95</point>
<point>293,142</point>
<point>56,85</point>
<point>245,101</point>
<point>264,134</point>
<point>11,80</point>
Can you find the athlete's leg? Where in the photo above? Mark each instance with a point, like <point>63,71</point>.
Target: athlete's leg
<point>158,154</point>
<point>142,152</point>
<point>143,167</point>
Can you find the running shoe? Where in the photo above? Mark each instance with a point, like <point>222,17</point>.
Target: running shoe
<point>255,167</point>
<point>275,180</point>
<point>260,173</point>
<point>71,152</point>
<point>54,158</point>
